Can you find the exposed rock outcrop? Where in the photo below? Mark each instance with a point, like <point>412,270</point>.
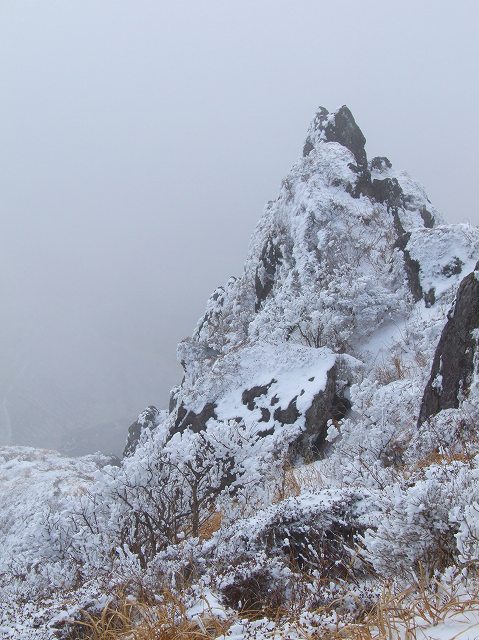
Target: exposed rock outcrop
<point>454,365</point>
<point>188,419</point>
<point>147,420</point>
<point>271,257</point>
<point>341,250</point>
<point>411,266</point>
<point>338,127</point>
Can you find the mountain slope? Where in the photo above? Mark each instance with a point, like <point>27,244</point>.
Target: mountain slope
<point>295,471</point>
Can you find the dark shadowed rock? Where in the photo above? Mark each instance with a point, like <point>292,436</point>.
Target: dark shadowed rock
<point>265,415</point>
<point>173,401</point>
<point>411,266</point>
<point>454,268</point>
<point>271,256</point>
<point>380,164</point>
<point>147,420</point>
<point>340,407</point>
<point>453,365</point>
<point>288,415</point>
<point>427,218</point>
<point>341,127</point>
<point>310,442</point>
<point>249,396</point>
<point>194,421</point>
<point>317,417</point>
<point>389,192</point>
<point>338,127</point>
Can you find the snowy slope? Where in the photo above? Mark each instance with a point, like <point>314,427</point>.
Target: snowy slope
<point>294,429</point>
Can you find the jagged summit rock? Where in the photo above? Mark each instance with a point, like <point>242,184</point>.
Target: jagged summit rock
<point>340,127</point>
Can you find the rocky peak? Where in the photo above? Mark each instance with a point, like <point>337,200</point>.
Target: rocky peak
<point>344,251</point>
<point>339,127</point>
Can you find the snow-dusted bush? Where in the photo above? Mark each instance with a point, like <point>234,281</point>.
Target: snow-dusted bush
<point>162,494</point>
<point>312,533</point>
<point>258,586</point>
<point>418,521</point>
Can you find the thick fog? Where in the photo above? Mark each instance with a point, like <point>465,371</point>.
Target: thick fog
<point>139,141</point>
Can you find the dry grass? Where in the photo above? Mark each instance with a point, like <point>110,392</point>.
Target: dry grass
<point>295,481</point>
<point>438,457</point>
<point>396,615</point>
<point>211,526</point>
<point>405,615</point>
<point>309,478</point>
<point>128,619</point>
<point>289,486</point>
<point>391,371</point>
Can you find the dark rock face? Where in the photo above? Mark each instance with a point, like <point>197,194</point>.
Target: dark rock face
<point>380,164</point>
<point>388,191</point>
<point>427,218</point>
<point>191,420</point>
<point>320,412</point>
<point>343,129</point>
<point>271,256</point>
<point>249,396</point>
<point>265,415</point>
<point>453,364</point>
<point>411,266</point>
<point>340,407</point>
<point>173,401</point>
<point>430,297</point>
<point>288,415</point>
<point>310,443</point>
<point>146,420</point>
<point>454,268</point>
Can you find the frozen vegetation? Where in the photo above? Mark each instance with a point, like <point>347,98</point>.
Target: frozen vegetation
<point>317,471</point>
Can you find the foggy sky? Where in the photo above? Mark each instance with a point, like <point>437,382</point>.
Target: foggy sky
<point>139,142</point>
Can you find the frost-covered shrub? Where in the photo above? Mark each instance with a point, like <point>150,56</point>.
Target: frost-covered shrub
<point>161,495</point>
<point>368,445</point>
<point>467,535</point>
<point>256,586</point>
<point>450,433</point>
<point>418,522</point>
<point>311,533</point>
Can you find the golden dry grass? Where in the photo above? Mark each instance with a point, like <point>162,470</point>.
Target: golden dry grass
<point>406,614</point>
<point>289,486</point>
<point>128,619</point>
<point>396,615</point>
<point>211,526</point>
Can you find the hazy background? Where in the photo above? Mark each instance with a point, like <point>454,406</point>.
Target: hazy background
<point>139,141</point>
